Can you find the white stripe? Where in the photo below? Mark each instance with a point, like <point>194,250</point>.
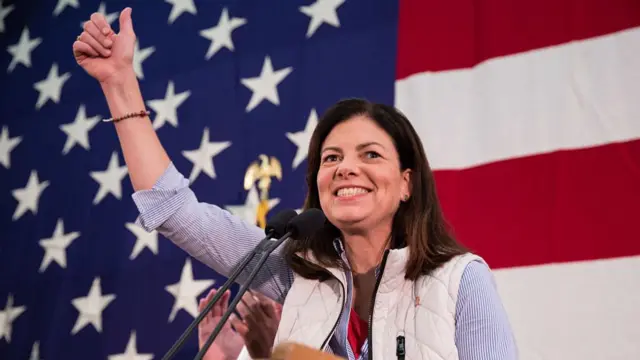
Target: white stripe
<point>576,95</point>
<point>576,311</point>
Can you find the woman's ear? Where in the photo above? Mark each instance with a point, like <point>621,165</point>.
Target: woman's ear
<point>406,184</point>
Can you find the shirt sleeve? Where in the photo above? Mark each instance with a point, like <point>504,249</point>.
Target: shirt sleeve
<point>209,233</point>
<point>483,331</point>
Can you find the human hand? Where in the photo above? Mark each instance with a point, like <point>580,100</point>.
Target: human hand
<point>102,53</point>
<point>259,323</point>
<point>229,343</point>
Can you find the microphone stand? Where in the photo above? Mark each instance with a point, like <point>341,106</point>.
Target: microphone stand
<point>263,245</point>
<point>243,289</point>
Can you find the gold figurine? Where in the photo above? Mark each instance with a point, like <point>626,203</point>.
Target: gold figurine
<point>262,172</point>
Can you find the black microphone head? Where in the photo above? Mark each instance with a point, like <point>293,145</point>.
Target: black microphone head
<point>277,225</point>
<point>306,223</point>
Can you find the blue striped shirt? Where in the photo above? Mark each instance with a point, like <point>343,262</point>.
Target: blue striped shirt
<point>220,240</point>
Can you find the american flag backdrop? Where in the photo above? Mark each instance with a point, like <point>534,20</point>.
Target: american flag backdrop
<point>529,112</point>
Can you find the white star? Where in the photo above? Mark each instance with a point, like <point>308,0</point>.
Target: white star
<point>90,307</point>
<point>7,145</point>
<point>144,239</point>
<point>140,56</point>
<point>21,51</point>
<point>110,17</point>
<point>202,158</point>
<point>249,210</point>
<point>220,35</point>
<point>131,352</point>
<point>29,196</point>
<point>62,4</point>
<point>35,351</point>
<point>4,12</point>
<point>167,109</point>
<point>78,131</point>
<point>265,85</point>
<point>8,316</point>
<point>302,138</point>
<point>180,6</point>
<point>55,247</point>
<point>51,87</point>
<point>186,292</point>
<point>322,11</point>
<point>110,180</point>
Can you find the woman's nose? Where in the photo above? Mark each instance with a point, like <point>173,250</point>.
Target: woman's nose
<point>347,169</point>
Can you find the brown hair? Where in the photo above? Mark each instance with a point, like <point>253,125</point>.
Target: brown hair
<point>418,223</point>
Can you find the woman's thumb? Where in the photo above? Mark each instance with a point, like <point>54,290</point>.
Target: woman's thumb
<point>126,25</point>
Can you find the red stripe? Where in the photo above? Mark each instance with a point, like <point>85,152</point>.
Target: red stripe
<point>437,35</point>
<point>558,207</point>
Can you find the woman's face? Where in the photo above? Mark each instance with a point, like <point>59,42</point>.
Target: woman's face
<point>359,180</point>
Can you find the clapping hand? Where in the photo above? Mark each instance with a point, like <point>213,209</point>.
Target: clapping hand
<point>260,317</point>
<point>229,343</point>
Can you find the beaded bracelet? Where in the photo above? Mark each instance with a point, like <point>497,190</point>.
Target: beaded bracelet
<point>130,115</point>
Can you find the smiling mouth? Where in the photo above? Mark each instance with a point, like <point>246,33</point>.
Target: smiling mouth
<point>351,191</point>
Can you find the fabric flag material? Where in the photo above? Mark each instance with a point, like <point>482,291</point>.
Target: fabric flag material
<point>528,111</point>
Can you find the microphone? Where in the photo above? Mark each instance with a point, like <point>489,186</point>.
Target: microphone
<point>303,225</point>
<point>276,227</point>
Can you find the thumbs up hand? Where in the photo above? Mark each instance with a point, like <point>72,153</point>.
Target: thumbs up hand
<point>101,52</point>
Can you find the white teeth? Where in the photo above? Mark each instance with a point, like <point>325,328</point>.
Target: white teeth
<point>352,191</point>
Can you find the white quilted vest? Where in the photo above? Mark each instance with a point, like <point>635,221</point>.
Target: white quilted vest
<point>424,310</point>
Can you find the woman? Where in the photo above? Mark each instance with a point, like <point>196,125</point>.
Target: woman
<point>384,279</point>
<point>251,335</point>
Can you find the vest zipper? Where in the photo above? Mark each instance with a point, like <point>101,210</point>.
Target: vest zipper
<point>373,303</point>
<point>344,299</point>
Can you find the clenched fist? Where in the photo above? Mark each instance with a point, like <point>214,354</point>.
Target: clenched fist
<point>102,53</point>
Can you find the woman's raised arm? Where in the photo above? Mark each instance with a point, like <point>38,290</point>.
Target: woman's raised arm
<point>108,57</point>
<point>165,201</point>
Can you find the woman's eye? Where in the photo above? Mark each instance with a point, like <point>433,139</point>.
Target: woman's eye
<point>329,158</point>
<point>372,154</point>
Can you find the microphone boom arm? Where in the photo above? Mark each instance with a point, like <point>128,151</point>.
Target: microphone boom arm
<point>264,245</point>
